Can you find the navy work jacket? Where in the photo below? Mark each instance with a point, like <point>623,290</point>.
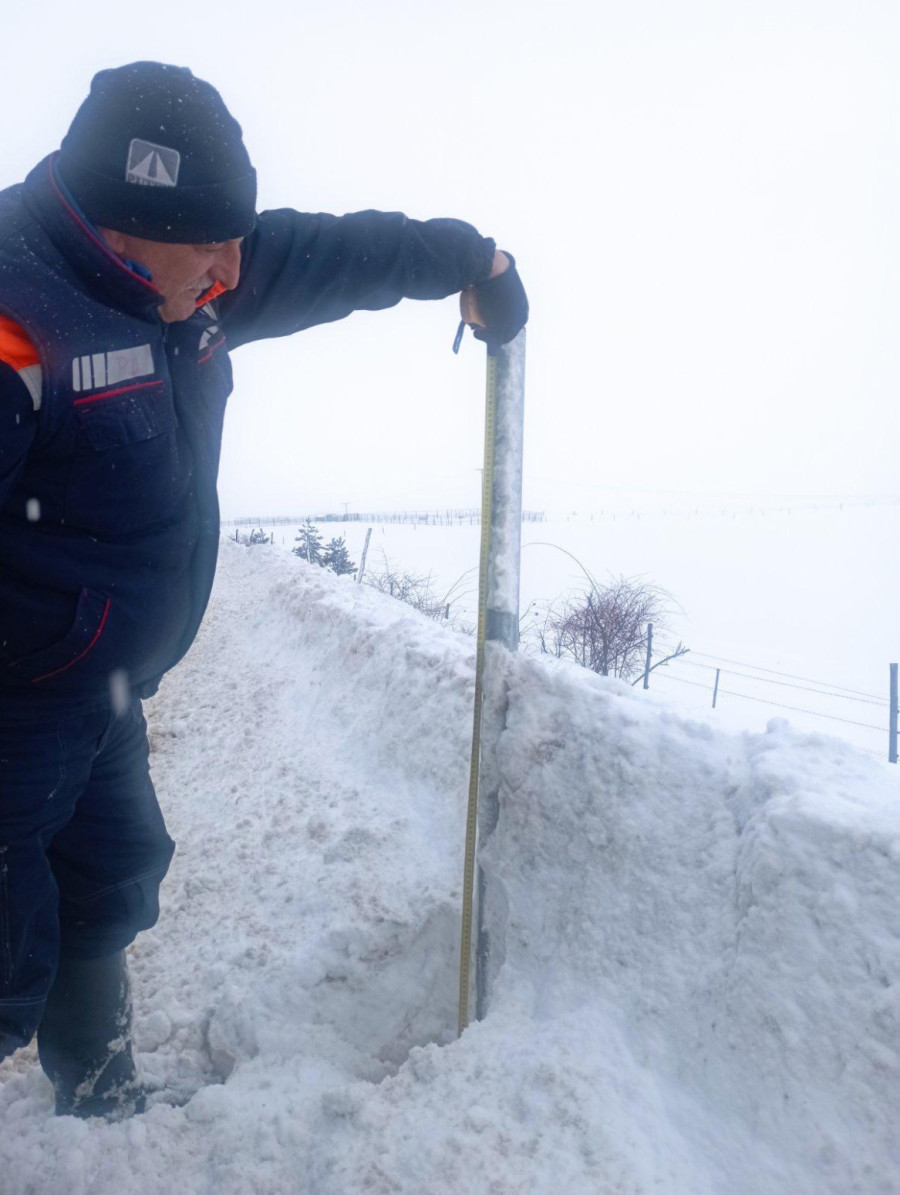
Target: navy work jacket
<point>109,519</point>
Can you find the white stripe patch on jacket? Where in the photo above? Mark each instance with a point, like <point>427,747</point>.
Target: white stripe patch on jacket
<point>96,370</point>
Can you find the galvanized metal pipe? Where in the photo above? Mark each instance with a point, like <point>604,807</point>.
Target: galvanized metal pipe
<point>501,628</point>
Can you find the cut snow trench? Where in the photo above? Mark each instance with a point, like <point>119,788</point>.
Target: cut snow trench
<point>339,950</point>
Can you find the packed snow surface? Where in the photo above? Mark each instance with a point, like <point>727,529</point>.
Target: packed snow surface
<point>700,989</point>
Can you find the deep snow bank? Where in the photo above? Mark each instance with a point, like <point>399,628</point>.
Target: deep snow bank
<point>701,990</point>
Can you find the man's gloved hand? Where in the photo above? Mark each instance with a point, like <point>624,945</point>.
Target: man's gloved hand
<point>496,309</point>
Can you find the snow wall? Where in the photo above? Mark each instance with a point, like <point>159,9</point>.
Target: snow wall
<point>701,985</point>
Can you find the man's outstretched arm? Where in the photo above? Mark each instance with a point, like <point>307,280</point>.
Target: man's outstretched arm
<point>299,270</point>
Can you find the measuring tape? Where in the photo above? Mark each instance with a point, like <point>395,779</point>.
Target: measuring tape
<point>487,492</point>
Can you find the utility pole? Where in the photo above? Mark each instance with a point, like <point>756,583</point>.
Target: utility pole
<point>892,748</point>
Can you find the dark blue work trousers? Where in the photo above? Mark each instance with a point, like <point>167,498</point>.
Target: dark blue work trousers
<point>83,849</point>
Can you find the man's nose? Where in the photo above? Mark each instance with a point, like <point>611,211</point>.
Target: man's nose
<point>227,265</point>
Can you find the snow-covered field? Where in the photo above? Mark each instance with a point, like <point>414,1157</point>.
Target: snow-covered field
<point>777,594</point>
<point>701,986</point>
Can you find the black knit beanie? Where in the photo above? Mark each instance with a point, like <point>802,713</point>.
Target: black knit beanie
<point>154,152</point>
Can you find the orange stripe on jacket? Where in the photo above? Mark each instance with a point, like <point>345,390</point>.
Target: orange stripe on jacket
<point>15,347</point>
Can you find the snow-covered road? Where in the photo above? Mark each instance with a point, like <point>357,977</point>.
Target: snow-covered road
<point>701,991</point>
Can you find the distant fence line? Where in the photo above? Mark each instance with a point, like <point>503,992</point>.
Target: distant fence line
<point>430,518</point>
<point>789,681</point>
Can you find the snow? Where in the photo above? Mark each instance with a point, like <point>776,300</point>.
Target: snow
<point>805,589</point>
<point>700,989</point>
<point>502,594</point>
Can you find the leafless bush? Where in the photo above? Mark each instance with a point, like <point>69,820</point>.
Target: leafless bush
<point>417,590</point>
<point>604,628</point>
<point>413,588</point>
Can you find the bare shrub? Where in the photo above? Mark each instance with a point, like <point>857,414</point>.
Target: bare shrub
<point>604,628</point>
<point>413,588</point>
<point>417,590</point>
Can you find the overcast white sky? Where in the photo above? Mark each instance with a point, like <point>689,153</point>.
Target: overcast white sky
<point>702,197</point>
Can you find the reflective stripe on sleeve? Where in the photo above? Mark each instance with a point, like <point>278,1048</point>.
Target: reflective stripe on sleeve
<point>17,351</point>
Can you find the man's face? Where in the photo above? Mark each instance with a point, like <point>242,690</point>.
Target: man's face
<point>181,273</point>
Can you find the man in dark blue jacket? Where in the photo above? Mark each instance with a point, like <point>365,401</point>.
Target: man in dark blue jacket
<point>131,262</point>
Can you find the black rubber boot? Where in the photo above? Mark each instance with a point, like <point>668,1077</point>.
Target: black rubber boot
<point>84,1040</point>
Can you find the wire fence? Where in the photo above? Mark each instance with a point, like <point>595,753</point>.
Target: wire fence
<point>765,701</point>
<point>743,671</point>
<point>791,676</point>
<point>451,517</point>
<point>847,695</point>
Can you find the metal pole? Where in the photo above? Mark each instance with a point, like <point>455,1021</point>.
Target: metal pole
<point>716,689</point>
<point>649,653</point>
<point>506,496</point>
<point>498,635</point>
<point>502,626</point>
<point>892,748</point>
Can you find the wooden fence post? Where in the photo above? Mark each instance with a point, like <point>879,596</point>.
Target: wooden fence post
<point>362,562</point>
<point>649,652</point>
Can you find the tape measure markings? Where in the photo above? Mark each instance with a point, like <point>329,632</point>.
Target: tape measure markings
<point>487,489</point>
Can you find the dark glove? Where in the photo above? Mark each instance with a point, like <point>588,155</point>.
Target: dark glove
<point>503,305</point>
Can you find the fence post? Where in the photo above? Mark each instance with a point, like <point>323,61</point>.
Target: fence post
<point>649,653</point>
<point>892,747</point>
<point>716,689</point>
<point>362,561</point>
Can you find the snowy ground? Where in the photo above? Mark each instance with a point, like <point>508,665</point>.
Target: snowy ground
<point>701,988</point>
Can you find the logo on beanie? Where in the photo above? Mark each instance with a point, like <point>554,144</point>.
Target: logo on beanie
<point>152,165</point>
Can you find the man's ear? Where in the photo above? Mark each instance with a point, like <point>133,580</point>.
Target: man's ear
<point>115,240</point>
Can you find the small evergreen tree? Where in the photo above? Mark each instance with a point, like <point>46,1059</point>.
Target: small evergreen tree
<point>337,558</point>
<point>309,543</point>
